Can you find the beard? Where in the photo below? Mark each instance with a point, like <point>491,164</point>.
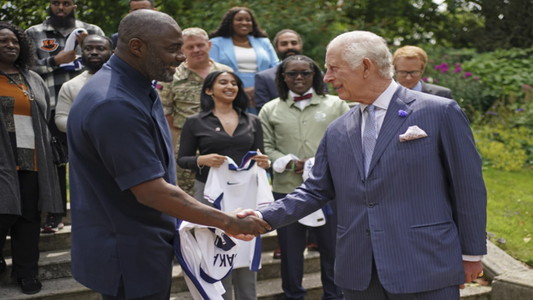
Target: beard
<point>67,21</point>
<point>93,67</point>
<point>285,54</point>
<point>157,68</point>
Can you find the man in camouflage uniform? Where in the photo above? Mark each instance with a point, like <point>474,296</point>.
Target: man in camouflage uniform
<point>181,97</point>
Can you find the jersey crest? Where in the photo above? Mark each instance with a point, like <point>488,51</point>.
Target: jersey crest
<point>49,45</point>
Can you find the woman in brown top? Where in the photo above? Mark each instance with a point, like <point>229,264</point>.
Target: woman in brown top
<point>28,180</point>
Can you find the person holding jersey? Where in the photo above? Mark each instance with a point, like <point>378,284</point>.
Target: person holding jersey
<point>221,129</point>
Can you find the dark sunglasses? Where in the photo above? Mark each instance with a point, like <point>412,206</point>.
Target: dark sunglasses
<point>294,74</point>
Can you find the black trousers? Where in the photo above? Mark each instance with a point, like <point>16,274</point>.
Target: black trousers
<point>61,171</point>
<point>25,229</point>
<point>121,295</point>
<point>292,240</point>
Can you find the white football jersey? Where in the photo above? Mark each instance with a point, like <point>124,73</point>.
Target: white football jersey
<point>206,255</point>
<point>246,186</point>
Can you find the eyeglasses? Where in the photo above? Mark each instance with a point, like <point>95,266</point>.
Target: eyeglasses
<point>294,74</point>
<point>405,73</point>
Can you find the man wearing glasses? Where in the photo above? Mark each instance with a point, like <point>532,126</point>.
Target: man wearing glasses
<point>409,65</point>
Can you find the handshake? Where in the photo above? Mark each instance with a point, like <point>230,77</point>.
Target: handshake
<point>245,225</point>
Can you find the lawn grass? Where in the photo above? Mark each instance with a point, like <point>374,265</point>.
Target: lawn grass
<point>510,211</point>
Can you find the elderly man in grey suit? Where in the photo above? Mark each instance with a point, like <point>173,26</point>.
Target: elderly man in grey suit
<point>404,171</point>
<point>409,65</point>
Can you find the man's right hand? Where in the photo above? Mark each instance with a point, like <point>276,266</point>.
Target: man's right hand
<point>246,226</point>
<point>64,57</point>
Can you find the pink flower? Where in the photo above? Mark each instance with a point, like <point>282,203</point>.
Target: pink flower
<point>468,74</point>
<point>457,65</point>
<point>526,87</point>
<point>424,79</point>
<point>444,68</point>
<point>476,78</point>
<point>458,70</point>
<point>435,80</point>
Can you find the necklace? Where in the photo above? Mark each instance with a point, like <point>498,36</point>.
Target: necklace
<point>222,119</point>
<point>24,91</point>
<point>245,43</point>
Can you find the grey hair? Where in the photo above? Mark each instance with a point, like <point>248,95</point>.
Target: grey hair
<point>364,44</point>
<point>195,31</point>
<point>142,24</point>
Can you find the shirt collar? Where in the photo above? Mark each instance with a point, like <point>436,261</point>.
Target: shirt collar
<point>182,72</point>
<point>293,94</point>
<point>384,99</point>
<point>418,87</point>
<point>314,100</point>
<point>204,114</point>
<point>136,80</point>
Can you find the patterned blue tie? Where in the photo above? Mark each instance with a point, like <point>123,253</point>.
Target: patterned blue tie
<point>369,136</point>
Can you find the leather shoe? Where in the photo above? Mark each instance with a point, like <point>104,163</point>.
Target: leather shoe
<point>30,285</point>
<point>277,253</point>
<point>312,247</point>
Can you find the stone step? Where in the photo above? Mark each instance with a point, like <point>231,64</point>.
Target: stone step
<point>48,241</point>
<point>271,290</point>
<point>57,264</point>
<point>61,240</point>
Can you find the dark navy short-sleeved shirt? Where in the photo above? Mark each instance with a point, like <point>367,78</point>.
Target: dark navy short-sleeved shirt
<point>118,138</point>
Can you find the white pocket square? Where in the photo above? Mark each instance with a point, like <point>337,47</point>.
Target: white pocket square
<point>412,133</point>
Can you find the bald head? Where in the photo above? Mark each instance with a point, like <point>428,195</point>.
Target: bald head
<point>143,24</point>
<point>150,42</point>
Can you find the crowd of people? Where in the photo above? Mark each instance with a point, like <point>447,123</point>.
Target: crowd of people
<point>390,191</point>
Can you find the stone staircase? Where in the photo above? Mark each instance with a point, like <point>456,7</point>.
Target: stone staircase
<point>58,284</point>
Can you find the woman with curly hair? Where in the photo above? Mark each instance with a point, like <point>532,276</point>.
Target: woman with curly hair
<point>240,43</point>
<point>29,182</point>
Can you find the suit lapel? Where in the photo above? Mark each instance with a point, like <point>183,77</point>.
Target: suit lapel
<point>230,52</point>
<point>426,89</point>
<point>391,124</point>
<point>255,45</point>
<point>353,130</point>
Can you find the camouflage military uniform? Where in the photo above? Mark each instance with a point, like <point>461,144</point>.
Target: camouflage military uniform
<point>181,98</point>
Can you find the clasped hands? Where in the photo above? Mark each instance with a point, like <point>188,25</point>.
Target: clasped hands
<point>247,225</point>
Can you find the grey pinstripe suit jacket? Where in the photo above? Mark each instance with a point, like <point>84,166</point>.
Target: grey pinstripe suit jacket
<point>422,206</point>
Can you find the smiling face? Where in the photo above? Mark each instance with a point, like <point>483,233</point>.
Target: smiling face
<point>346,81</point>
<point>196,49</point>
<point>95,52</point>
<point>163,53</point>
<point>9,47</point>
<point>225,88</point>
<point>304,76</point>
<point>242,23</point>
